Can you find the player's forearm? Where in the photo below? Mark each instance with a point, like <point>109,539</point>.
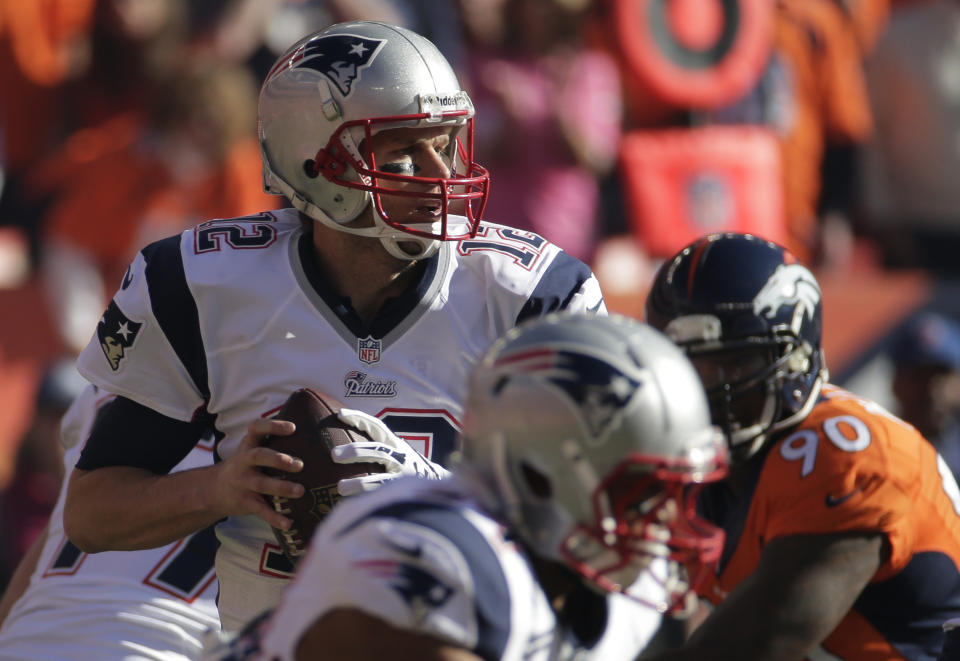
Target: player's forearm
<point>802,588</point>
<point>345,635</point>
<point>121,508</point>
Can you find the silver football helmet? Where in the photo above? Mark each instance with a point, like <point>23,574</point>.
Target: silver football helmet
<point>592,436</point>
<point>329,94</point>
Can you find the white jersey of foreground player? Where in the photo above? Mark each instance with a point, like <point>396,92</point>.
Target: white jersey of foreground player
<point>424,557</point>
<point>230,317</point>
<point>154,604</point>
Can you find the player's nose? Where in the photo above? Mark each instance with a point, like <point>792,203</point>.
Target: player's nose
<point>432,163</point>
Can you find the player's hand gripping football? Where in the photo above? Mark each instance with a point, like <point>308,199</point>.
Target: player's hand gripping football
<point>240,483</point>
<point>387,449</point>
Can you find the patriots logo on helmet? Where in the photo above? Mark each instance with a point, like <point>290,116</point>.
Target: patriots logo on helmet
<point>790,284</point>
<point>116,333</point>
<point>339,57</point>
<point>599,390</point>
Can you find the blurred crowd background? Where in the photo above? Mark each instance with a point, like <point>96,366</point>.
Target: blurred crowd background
<point>619,129</point>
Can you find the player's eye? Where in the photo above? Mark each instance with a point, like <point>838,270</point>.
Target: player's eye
<point>401,167</point>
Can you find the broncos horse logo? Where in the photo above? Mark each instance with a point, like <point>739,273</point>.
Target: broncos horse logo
<point>339,57</point>
<point>790,284</point>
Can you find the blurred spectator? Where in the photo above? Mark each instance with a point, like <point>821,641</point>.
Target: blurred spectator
<point>926,381</point>
<point>549,109</point>
<point>234,30</point>
<point>910,192</point>
<point>133,46</point>
<point>439,22</point>
<point>42,44</point>
<point>27,502</point>
<point>813,94</point>
<point>109,67</point>
<point>678,175</point>
<point>869,18</point>
<point>127,182</point>
<point>808,89</point>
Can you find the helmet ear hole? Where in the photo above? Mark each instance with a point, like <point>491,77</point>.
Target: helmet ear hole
<point>538,483</point>
<point>310,168</point>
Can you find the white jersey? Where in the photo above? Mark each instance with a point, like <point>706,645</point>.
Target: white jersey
<point>114,606</point>
<point>424,557</point>
<point>230,317</point>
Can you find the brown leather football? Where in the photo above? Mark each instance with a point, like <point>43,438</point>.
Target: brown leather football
<point>318,430</point>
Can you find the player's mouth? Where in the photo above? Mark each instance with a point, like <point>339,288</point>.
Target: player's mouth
<point>430,211</point>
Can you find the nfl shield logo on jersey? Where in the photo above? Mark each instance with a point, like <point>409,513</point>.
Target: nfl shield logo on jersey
<point>368,349</point>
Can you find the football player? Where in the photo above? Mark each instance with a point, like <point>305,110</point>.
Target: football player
<point>843,534</point>
<point>380,287</point>
<point>150,604</point>
<point>567,529</point>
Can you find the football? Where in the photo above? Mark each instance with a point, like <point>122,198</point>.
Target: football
<point>318,430</point>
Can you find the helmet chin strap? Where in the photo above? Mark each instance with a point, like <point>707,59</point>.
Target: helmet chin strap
<point>400,245</point>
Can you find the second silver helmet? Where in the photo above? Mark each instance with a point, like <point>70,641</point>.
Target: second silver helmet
<point>590,432</point>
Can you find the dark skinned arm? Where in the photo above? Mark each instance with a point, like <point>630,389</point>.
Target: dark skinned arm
<point>350,635</point>
<point>803,586</point>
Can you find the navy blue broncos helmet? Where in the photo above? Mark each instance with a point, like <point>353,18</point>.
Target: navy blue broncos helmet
<point>749,317</point>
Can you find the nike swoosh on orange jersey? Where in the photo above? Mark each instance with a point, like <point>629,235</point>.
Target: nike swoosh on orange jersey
<point>833,501</point>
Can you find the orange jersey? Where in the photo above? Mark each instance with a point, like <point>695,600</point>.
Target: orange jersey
<point>852,466</point>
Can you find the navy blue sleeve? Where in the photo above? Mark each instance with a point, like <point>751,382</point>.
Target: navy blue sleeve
<point>174,308</point>
<point>559,284</point>
<point>128,434</point>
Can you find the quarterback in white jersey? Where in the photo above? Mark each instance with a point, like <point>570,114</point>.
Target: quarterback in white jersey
<point>380,288</point>
<point>121,606</point>
<point>564,532</point>
<point>221,341</point>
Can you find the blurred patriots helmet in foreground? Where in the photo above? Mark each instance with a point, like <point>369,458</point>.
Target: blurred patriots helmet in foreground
<point>592,435</point>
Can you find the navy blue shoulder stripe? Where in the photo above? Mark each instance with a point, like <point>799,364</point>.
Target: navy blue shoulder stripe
<point>561,281</point>
<point>492,598</point>
<point>174,307</point>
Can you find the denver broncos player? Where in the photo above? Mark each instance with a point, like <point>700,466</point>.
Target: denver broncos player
<point>843,534</point>
<point>150,604</point>
<point>380,287</point>
<point>568,526</point>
